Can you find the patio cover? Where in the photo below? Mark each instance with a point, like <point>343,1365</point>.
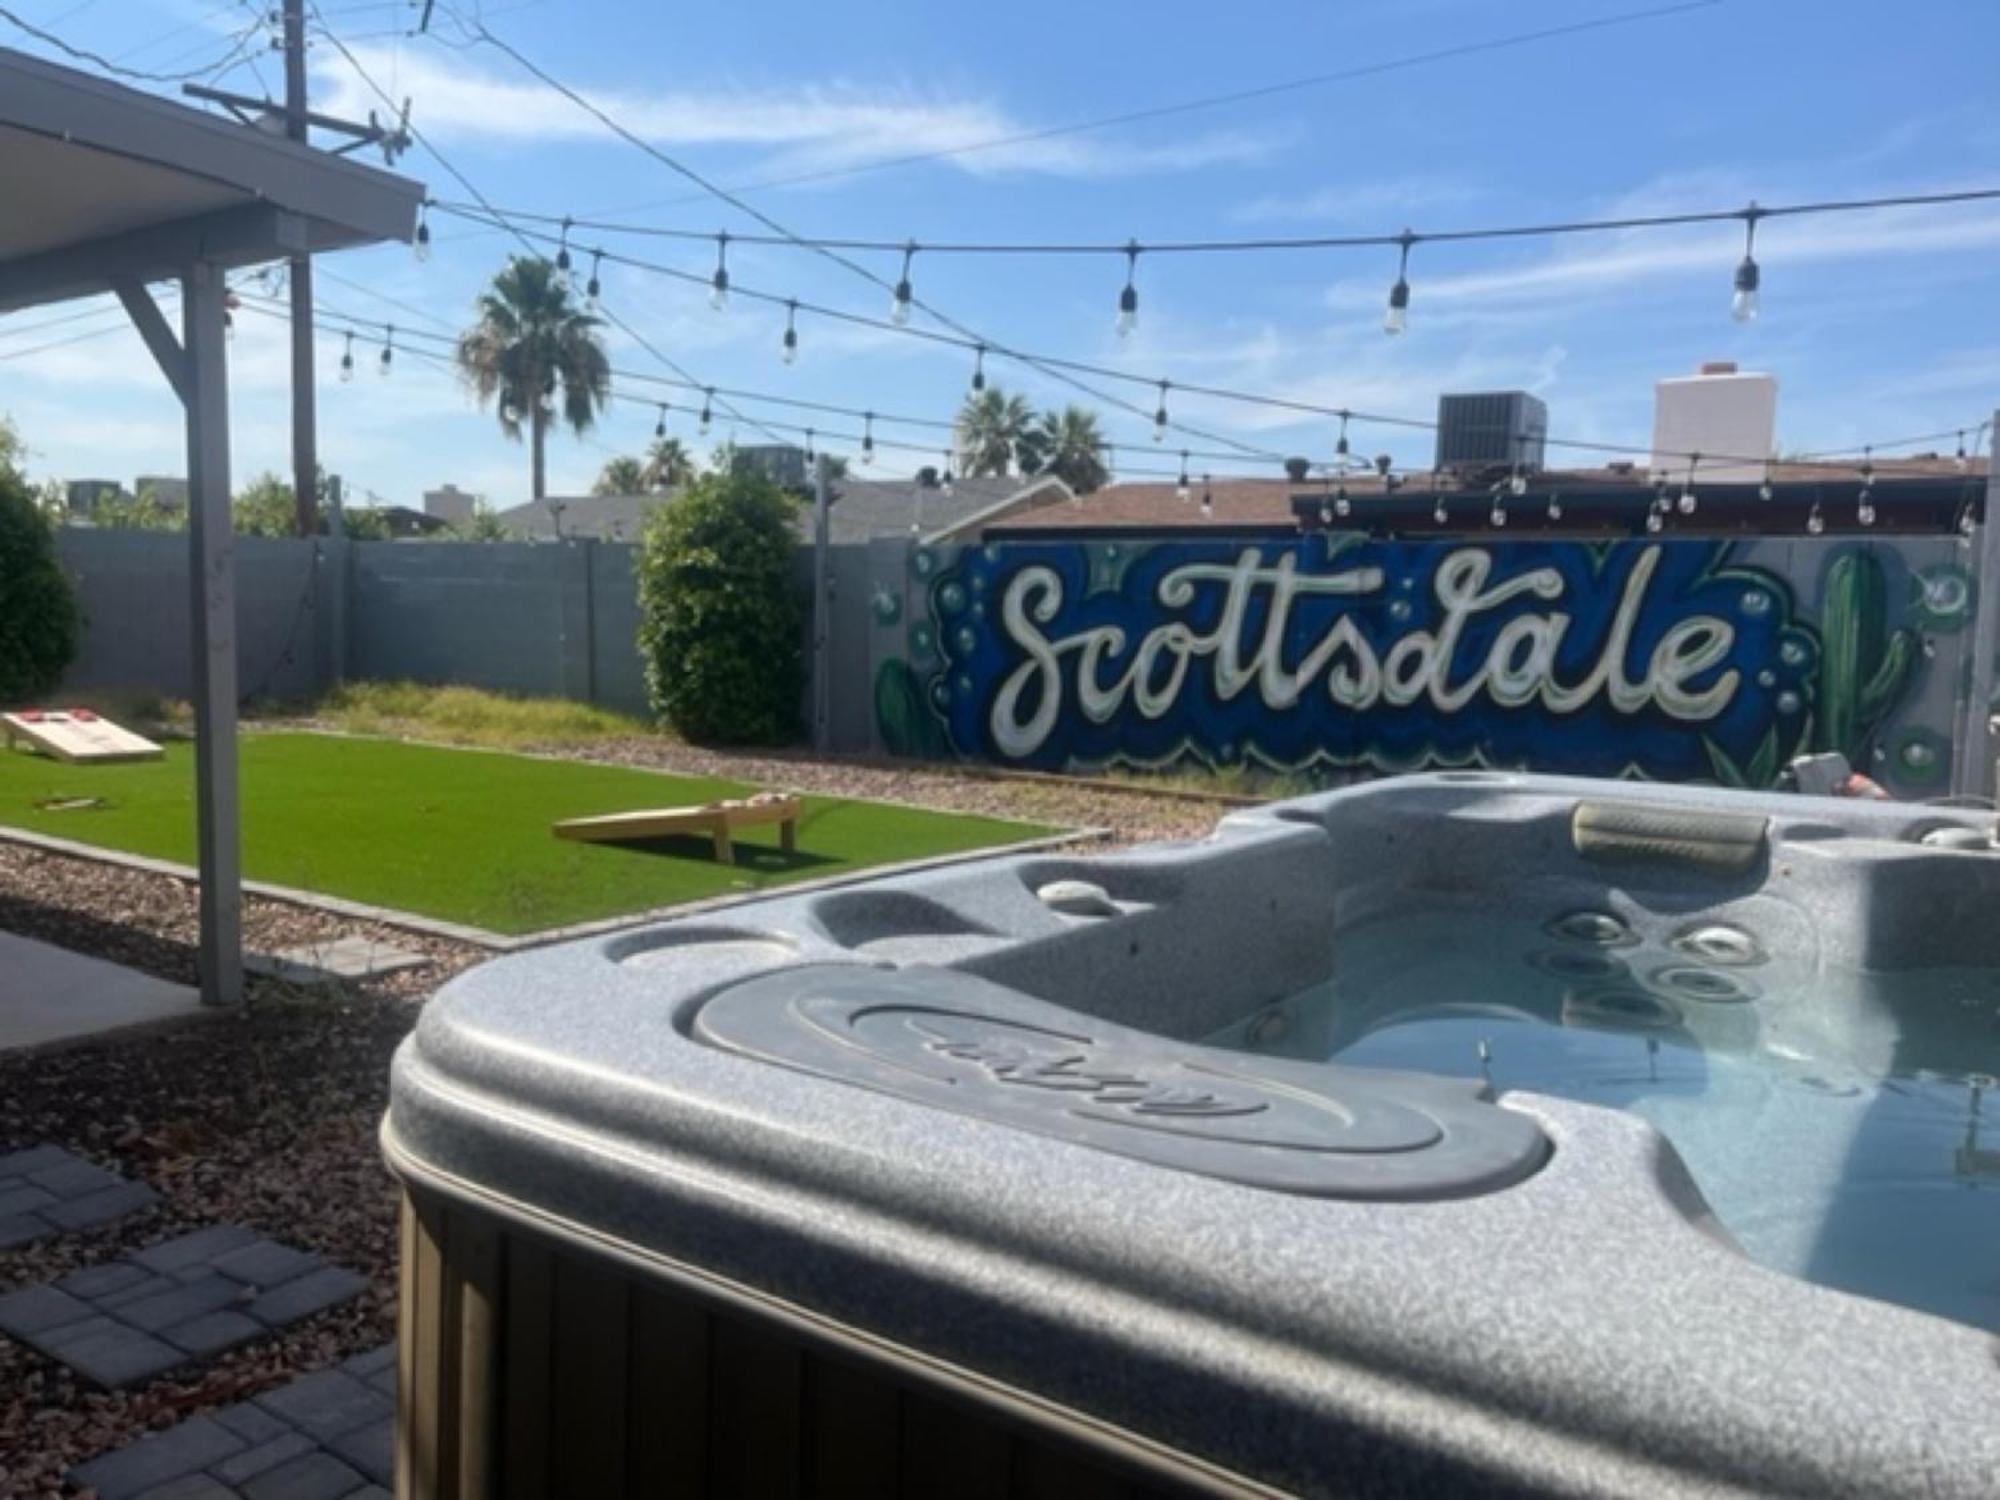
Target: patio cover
<point>106,189</point>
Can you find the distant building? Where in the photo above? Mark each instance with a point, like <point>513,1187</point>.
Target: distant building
<point>81,495</point>
<point>168,491</point>
<point>781,463</point>
<point>1719,410</point>
<point>450,503</point>
<point>597,518</point>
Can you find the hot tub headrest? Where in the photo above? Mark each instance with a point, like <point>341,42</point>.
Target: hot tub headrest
<point>954,1041</point>
<point>1662,834</point>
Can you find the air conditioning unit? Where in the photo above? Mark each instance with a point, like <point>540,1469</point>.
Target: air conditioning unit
<point>1486,428</point>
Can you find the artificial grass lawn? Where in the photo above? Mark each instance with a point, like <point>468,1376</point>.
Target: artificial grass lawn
<point>464,834</point>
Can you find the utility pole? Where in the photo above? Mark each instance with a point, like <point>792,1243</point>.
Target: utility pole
<point>297,118</point>
<point>305,400</point>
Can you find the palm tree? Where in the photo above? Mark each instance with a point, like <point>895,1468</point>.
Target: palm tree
<point>668,465</point>
<point>531,344</point>
<point>623,475</point>
<point>994,432</point>
<point>1069,445</point>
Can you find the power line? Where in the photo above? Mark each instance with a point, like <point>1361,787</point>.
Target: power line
<point>1205,102</point>
<point>139,75</point>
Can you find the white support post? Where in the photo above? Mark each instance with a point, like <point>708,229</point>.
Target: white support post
<point>212,577</point>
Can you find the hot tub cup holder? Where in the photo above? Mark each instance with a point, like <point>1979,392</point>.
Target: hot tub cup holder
<point>1597,928</point>
<point>1722,944</point>
<point>1700,983</point>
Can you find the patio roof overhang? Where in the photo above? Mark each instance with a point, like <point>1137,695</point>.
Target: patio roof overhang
<point>106,189</point>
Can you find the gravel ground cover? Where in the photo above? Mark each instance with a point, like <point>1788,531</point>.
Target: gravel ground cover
<point>269,1119</point>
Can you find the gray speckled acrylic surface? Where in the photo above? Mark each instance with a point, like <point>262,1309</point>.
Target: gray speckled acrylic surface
<point>1585,1330</point>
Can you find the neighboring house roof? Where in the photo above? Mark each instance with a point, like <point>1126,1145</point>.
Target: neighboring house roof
<point>867,508</point>
<point>1267,504</point>
<point>598,518</point>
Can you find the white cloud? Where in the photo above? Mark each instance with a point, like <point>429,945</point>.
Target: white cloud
<point>806,127</point>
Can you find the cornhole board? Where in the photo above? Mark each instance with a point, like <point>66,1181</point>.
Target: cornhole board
<point>77,735</point>
<point>716,819</point>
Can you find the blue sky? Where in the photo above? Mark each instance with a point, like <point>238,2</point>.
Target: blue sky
<point>1876,326</point>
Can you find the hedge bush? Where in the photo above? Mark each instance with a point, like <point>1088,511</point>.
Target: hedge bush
<point>38,620</point>
<point>721,618</point>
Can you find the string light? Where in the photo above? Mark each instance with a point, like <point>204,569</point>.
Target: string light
<point>1517,482</point>
<point>594,286</point>
<point>1743,305</point>
<point>1160,416</point>
<point>1396,317</point>
<point>422,248</point>
<point>1340,444</point>
<point>1325,511</point>
<point>1342,506</point>
<point>347,359</point>
<point>945,483</point>
<point>707,417</point>
<point>868,437</point>
<point>1963,462</point>
<point>1815,522</point>
<point>1181,490</point>
<point>1207,498</point>
<point>718,284</point>
<point>1864,510</point>
<point>1555,506</point>
<point>562,255</point>
<point>1128,299</point>
<point>899,304</point>
<point>388,350</point>
<point>1438,513</point>
<point>790,351</point>
<point>979,368</point>
<point>1764,489</point>
<point>1497,518</point>
<point>660,427</point>
<point>1687,501</point>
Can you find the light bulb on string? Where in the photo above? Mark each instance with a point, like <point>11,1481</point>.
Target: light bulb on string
<point>660,427</point>
<point>1497,517</point>
<point>1325,511</point>
<point>707,418</point>
<point>1655,521</point>
<point>1342,506</point>
<point>945,482</point>
<point>422,247</point>
<point>1207,498</point>
<point>562,256</point>
<point>1340,449</point>
<point>1160,416</point>
<point>979,368</point>
<point>1517,482</point>
<point>718,284</point>
<point>1128,299</point>
<point>1764,489</point>
<point>1815,522</point>
<point>1687,500</point>
<point>595,285</point>
<point>811,458</point>
<point>868,437</point>
<point>1181,489</point>
<point>789,351</point>
<point>347,359</point>
<point>1959,457</point>
<point>1966,524</point>
<point>1864,509</point>
<point>1396,317</point>
<point>1555,506</point>
<point>1439,516</point>
<point>1743,304</point>
<point>899,303</point>
<point>388,350</point>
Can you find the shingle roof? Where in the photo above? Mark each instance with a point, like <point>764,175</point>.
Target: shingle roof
<point>602,518</point>
<point>867,508</point>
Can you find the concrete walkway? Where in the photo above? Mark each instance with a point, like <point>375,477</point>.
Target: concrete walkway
<point>49,994</point>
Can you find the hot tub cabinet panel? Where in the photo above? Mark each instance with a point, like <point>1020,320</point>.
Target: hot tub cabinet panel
<point>929,1185</point>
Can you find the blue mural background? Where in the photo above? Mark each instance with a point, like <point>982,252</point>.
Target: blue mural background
<point>1830,644</point>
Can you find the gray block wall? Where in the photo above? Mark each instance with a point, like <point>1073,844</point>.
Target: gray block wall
<point>544,619</point>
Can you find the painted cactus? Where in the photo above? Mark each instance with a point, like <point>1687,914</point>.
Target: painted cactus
<point>1864,665</point>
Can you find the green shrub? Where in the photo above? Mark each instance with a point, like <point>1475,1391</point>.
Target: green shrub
<point>38,619</point>
<point>721,620</point>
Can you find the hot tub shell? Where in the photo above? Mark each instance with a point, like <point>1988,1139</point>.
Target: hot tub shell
<point>613,1202</point>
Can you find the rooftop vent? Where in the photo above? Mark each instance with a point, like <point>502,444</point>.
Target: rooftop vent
<point>1491,428</point>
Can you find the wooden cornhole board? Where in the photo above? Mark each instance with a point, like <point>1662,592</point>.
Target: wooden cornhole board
<point>716,819</point>
<point>77,735</point>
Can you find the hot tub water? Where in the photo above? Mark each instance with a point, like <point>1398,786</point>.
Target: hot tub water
<point>1844,1126</point>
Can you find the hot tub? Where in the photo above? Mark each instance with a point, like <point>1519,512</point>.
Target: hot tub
<point>1471,1131</point>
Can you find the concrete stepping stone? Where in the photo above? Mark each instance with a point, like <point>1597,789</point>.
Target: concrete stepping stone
<point>184,1298</point>
<point>325,1436</point>
<point>349,957</point>
<point>47,1190</point>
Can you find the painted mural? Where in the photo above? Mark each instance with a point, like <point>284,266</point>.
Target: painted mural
<point>1688,660</point>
